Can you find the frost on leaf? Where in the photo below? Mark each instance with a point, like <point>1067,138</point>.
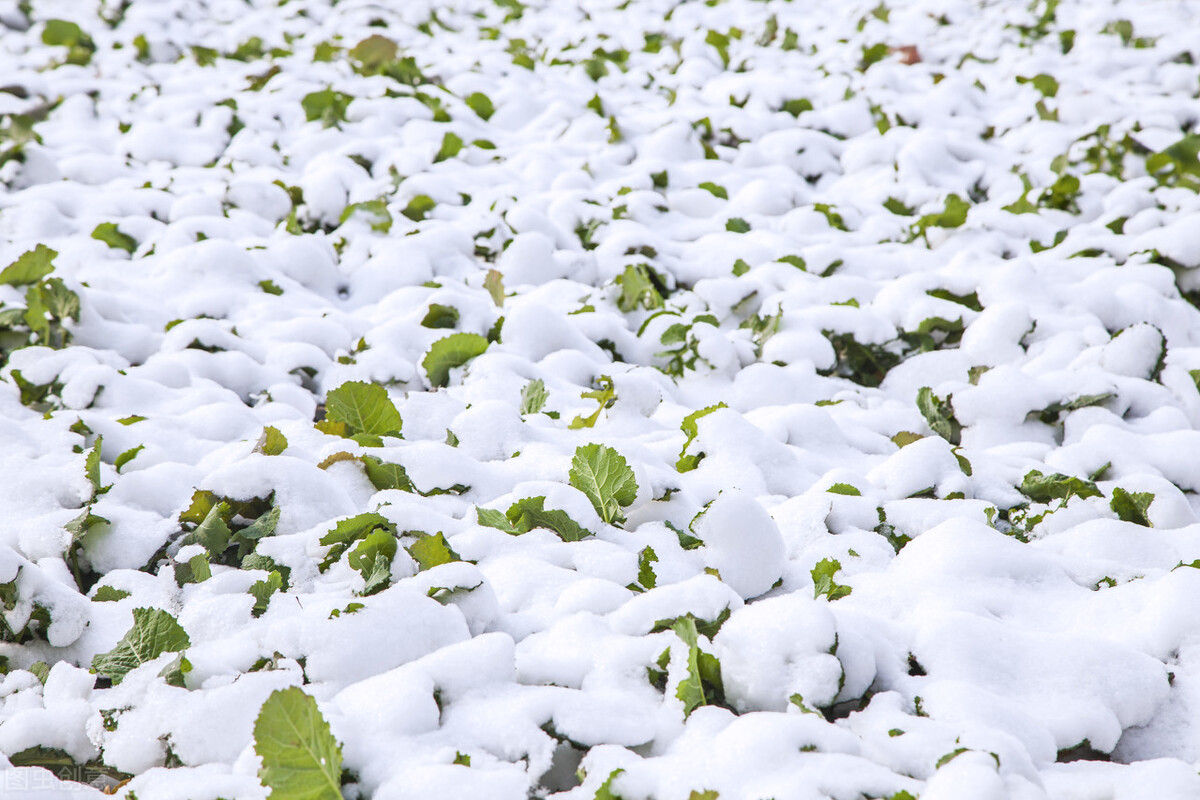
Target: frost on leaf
<point>154,632</point>
<point>602,474</point>
<point>301,760</point>
<point>450,352</point>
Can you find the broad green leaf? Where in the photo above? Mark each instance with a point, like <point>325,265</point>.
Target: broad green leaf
<point>1045,488</point>
<point>452,144</point>
<point>108,594</point>
<point>703,684</point>
<point>493,282</point>
<point>30,267</point>
<point>452,351</point>
<point>108,233</point>
<point>433,551</point>
<point>691,430</point>
<point>419,207</point>
<point>638,287</point>
<point>262,591</point>
<point>481,104</point>
<point>374,212</point>
<point>272,442</point>
<point>939,415</point>
<point>493,518</point>
<point>214,532</point>
<point>823,582</point>
<point>1050,414</point>
<point>372,558</point>
<point>386,475</point>
<point>1132,506</point>
<point>154,632</point>
<point>737,225</point>
<point>300,758</point>
<point>844,488</point>
<point>714,189</point>
<point>373,53</point>
<point>326,106</point>
<point>349,531</point>
<point>954,215</point>
<point>533,397</point>
<point>364,407</point>
<point>601,473</point>
<point>91,467</point>
<point>530,512</point>
<point>131,419</point>
<point>646,576</point>
<point>195,570</point>
<point>440,316</point>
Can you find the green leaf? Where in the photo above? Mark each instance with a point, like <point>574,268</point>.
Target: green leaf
<point>823,582</point>
<point>375,212</point>
<point>954,215</point>
<point>1050,414</point>
<point>1132,506</point>
<point>647,579</point>
<point>971,300</point>
<point>605,395</point>
<point>349,531</point>
<point>530,512</point>
<point>262,591</point>
<point>714,190</point>
<point>195,570</point>
<point>272,442</point>
<point>492,518</point>
<point>127,456</point>
<point>270,287</point>
<point>440,316</point>
<point>452,144</point>
<point>80,46</point>
<point>493,283</point>
<point>481,104</point>
<point>131,419</point>
<point>797,106</point>
<point>601,473</point>
<point>1045,488</point>
<point>91,468</point>
<point>939,415</point>
<point>213,532</point>
<point>898,208</point>
<point>703,684</point>
<point>386,475</point>
<point>452,351</point>
<point>108,594</point>
<point>605,792</point>
<point>638,287</point>
<point>364,407</point>
<point>737,225</point>
<point>1044,83</point>
<point>691,430</point>
<point>844,488</point>
<point>372,558</point>
<point>373,53</point>
<point>533,397</point>
<point>107,232</point>
<point>433,551</point>
<point>326,106</point>
<point>419,207</point>
<point>300,758</point>
<point>83,524</point>
<point>154,632</point>
<point>31,267</point>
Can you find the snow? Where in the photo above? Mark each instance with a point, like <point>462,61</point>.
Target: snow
<point>632,212</point>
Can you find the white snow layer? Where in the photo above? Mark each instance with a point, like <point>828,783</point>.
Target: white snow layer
<point>929,270</point>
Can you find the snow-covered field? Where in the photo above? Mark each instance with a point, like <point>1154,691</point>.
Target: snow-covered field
<point>648,399</point>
